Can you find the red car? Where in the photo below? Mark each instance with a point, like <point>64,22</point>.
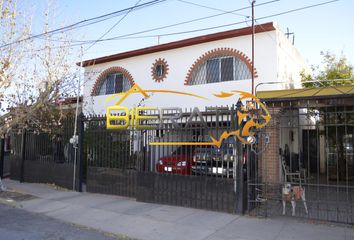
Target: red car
<point>178,162</point>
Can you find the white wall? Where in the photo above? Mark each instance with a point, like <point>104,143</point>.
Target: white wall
<point>290,62</point>
<point>289,126</point>
<point>267,64</point>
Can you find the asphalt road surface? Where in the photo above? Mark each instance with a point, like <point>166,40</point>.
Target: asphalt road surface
<point>17,224</point>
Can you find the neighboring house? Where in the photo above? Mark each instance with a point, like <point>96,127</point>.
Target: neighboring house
<point>66,105</point>
<point>202,65</point>
<point>312,132</point>
<point>69,104</point>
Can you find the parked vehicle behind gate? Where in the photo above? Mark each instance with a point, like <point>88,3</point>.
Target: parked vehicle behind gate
<point>178,162</point>
<point>213,161</point>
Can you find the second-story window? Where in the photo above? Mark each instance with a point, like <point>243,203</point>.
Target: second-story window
<point>219,65</point>
<point>114,83</point>
<point>220,69</point>
<point>112,80</point>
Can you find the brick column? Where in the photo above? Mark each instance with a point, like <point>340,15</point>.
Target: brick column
<point>269,162</point>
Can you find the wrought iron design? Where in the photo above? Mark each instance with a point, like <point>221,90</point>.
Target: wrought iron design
<point>124,163</point>
<point>112,80</point>
<point>311,147</point>
<point>220,68</point>
<point>42,157</point>
<point>114,83</point>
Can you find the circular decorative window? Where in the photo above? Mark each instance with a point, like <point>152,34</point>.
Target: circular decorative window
<point>159,70</point>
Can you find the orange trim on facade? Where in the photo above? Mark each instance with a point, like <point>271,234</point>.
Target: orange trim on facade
<point>218,52</point>
<point>163,62</point>
<point>266,27</point>
<point>108,71</point>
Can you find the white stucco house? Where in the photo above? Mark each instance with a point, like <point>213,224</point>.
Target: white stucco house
<point>203,65</point>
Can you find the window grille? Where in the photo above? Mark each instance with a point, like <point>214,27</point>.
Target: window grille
<point>220,69</point>
<point>114,83</point>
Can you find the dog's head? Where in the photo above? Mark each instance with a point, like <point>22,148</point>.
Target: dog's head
<point>287,189</point>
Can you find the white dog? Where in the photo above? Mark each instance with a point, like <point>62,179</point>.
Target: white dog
<point>292,194</point>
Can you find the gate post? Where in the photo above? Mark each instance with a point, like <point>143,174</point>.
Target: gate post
<point>81,151</point>
<point>2,156</point>
<point>240,180</point>
<point>23,155</point>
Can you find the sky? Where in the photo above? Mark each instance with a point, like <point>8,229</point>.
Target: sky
<point>321,28</point>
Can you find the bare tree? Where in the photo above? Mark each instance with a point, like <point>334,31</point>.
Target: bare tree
<point>43,76</point>
<point>13,30</point>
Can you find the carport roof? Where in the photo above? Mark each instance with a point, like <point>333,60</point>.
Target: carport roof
<point>306,93</point>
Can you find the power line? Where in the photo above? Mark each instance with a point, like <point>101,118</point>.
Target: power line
<point>176,24</point>
<point>87,22</point>
<point>298,9</point>
<point>180,23</point>
<point>232,24</point>
<point>211,8</point>
<point>214,27</point>
<point>125,36</point>
<point>79,42</point>
<point>111,28</point>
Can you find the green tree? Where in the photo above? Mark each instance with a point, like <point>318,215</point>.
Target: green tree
<point>333,68</point>
<point>340,70</point>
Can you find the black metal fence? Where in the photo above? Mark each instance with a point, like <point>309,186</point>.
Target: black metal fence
<point>311,147</point>
<point>43,157</point>
<point>127,163</point>
<point>307,144</point>
<point>111,165</point>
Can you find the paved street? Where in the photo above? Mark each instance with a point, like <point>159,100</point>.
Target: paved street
<point>146,221</point>
<point>17,224</point>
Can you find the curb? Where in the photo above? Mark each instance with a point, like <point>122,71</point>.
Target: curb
<point>10,202</point>
<point>12,198</point>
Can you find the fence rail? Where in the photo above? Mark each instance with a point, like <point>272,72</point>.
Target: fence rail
<point>125,163</point>
<point>43,157</point>
<point>305,145</point>
<point>311,148</point>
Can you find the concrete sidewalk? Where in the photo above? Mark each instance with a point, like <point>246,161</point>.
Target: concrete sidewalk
<point>119,215</point>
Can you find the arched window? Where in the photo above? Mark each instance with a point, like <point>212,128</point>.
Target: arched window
<point>114,83</point>
<point>113,80</point>
<point>219,65</point>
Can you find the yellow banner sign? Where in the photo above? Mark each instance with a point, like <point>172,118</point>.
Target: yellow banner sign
<point>120,117</point>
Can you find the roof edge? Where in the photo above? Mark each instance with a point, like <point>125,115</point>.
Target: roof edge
<point>181,43</point>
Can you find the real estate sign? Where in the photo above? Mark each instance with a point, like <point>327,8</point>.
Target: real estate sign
<point>139,117</point>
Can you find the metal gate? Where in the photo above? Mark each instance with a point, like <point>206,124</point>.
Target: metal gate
<point>168,164</point>
<point>308,164</point>
<point>111,165</point>
<point>5,156</point>
<point>43,157</point>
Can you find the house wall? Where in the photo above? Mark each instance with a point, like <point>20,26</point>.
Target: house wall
<point>290,62</point>
<point>180,61</point>
<point>290,133</point>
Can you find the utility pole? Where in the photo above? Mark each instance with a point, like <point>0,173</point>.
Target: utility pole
<point>253,32</point>
<point>75,138</point>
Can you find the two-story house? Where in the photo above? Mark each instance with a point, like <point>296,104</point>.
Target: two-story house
<point>203,65</point>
